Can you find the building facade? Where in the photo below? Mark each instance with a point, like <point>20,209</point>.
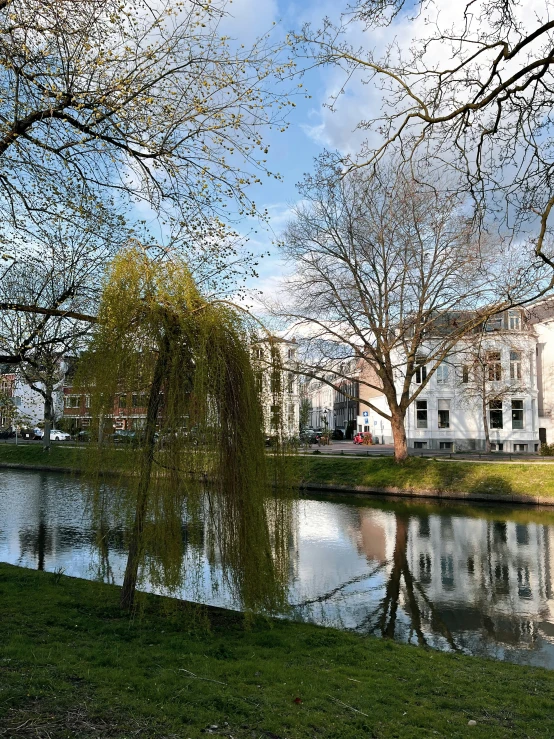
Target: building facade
<point>502,376</point>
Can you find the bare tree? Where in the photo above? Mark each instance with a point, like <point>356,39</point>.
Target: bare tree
<point>474,95</point>
<point>388,279</point>
<point>49,297</point>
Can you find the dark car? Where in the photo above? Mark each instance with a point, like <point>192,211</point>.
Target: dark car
<point>83,436</point>
<point>27,434</point>
<point>124,436</point>
<point>337,434</point>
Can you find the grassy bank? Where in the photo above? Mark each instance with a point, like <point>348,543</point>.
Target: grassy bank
<point>428,474</point>
<point>72,665</point>
<point>33,454</point>
<point>377,472</point>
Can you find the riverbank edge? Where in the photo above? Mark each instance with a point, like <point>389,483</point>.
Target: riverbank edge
<point>393,492</point>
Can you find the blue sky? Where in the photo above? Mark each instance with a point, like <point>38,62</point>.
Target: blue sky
<point>312,126</point>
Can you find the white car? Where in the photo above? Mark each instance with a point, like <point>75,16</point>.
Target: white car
<point>57,435</point>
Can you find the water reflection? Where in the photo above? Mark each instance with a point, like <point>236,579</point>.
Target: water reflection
<point>454,579</point>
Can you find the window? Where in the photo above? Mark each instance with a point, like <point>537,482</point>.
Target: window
<point>497,447</point>
<point>259,381</point>
<point>447,445</point>
<point>290,383</point>
<point>87,401</point>
<point>420,445</point>
<point>421,414</point>
<point>465,373</point>
<point>517,414</point>
<point>139,401</point>
<point>72,401</point>
<point>291,353</point>
<point>494,324</point>
<point>442,374</point>
<point>421,374</point>
<point>275,381</point>
<point>514,320</point>
<point>421,369</point>
<point>515,365</point>
<point>495,414</point>
<point>275,416</point>
<point>520,447</point>
<point>259,353</point>
<point>444,414</point>
<point>123,401</point>
<point>494,366</point>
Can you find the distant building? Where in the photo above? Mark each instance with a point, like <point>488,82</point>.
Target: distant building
<point>28,403</point>
<point>278,385</point>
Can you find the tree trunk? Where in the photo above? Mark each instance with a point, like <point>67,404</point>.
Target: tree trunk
<point>135,543</point>
<point>399,435</point>
<point>486,426</point>
<point>48,418</point>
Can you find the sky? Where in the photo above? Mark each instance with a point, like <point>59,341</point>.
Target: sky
<point>312,126</point>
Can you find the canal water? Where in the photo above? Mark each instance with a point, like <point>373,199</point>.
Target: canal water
<point>455,578</point>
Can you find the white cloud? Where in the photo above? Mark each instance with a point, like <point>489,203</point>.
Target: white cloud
<point>336,129</point>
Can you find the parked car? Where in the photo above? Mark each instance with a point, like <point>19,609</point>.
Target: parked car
<point>27,434</point>
<point>337,434</point>
<point>6,434</point>
<point>57,435</point>
<point>314,436</point>
<point>83,436</point>
<point>127,436</point>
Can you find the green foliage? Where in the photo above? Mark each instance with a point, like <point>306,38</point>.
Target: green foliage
<point>159,337</point>
<point>547,450</point>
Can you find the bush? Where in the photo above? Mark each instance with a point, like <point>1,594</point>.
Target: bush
<point>547,450</point>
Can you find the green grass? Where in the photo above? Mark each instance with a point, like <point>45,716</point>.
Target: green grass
<point>72,665</point>
<point>379,472</point>
<point>429,474</point>
<point>33,454</point>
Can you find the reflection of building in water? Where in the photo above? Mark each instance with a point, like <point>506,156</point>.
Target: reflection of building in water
<point>486,575</point>
<point>373,534</point>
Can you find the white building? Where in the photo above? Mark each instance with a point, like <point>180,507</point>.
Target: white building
<point>510,364</point>
<point>278,387</point>
<point>321,397</point>
<point>493,372</point>
<point>28,403</point>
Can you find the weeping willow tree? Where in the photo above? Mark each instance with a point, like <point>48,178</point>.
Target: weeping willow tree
<point>199,460</point>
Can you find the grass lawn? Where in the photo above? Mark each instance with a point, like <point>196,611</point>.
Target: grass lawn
<point>380,472</point>
<point>71,665</point>
<point>58,456</point>
<point>429,474</point>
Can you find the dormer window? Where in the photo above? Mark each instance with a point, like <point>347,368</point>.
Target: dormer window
<point>514,320</point>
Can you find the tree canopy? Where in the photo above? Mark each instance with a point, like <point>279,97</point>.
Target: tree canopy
<point>150,101</point>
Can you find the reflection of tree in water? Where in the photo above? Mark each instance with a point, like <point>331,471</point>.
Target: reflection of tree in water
<point>456,583</point>
<point>36,542</point>
<point>413,592</point>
